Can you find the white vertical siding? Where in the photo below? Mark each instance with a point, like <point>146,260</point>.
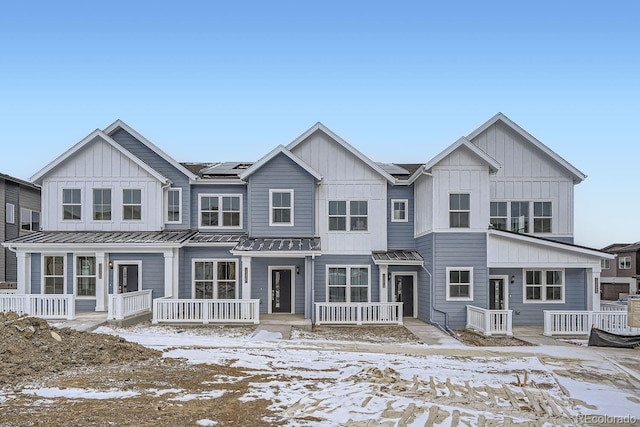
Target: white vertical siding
<point>423,193</point>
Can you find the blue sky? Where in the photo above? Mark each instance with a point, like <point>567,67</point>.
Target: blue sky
<point>210,81</point>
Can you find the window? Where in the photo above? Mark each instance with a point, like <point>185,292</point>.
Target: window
<point>459,284</point>
<point>281,207</point>
<point>399,210</point>
<point>605,264</point>
<point>174,205</point>
<point>358,211</point>
<point>459,208</point>
<point>220,211</point>
<point>498,213</point>
<point>215,279</point>
<point>102,204</point>
<point>520,217</point>
<point>542,217</point>
<point>348,215</point>
<point>544,286</point>
<point>131,204</point>
<point>337,215</point>
<point>10,213</point>
<point>29,220</point>
<point>53,279</point>
<point>71,204</point>
<point>348,284</point>
<point>624,263</point>
<point>86,276</point>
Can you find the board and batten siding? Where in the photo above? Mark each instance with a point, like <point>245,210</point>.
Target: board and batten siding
<point>528,174</point>
<point>345,177</point>
<point>320,274</point>
<point>189,253</point>
<point>150,157</point>
<point>219,189</point>
<point>260,280</point>
<point>400,234</point>
<point>423,200</point>
<point>99,165</point>
<point>459,250</point>
<point>152,271</point>
<point>281,173</point>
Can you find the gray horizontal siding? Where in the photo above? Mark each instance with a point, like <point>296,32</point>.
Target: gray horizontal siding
<point>152,271</point>
<point>260,281</point>
<point>424,246</point>
<point>284,174</point>
<point>400,234</point>
<point>188,254</point>
<point>320,278</point>
<point>218,189</point>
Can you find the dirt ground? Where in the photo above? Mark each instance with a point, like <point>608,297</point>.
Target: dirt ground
<point>477,340</point>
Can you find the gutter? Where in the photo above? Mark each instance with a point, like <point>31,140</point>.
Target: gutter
<point>433,308</point>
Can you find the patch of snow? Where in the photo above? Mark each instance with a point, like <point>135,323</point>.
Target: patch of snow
<point>264,335</point>
<point>207,423</point>
<point>80,393</point>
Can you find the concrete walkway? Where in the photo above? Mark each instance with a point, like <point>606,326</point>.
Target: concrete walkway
<point>534,335</point>
<point>430,334</point>
<point>85,321</point>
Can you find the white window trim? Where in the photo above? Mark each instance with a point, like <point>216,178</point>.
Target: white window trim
<point>348,216</point>
<point>406,210</point>
<point>605,264</point>
<point>506,218</point>
<point>450,211</point>
<point>166,205</point>
<point>529,227</point>
<point>10,213</point>
<point>620,259</point>
<point>220,212</point>
<point>116,278</point>
<point>31,211</point>
<point>75,275</point>
<point>271,207</point>
<point>470,270</point>
<point>292,268</point>
<point>64,272</point>
<point>63,204</point>
<point>533,217</point>
<point>215,262</point>
<point>543,293</point>
<point>124,205</point>
<point>93,205</point>
<point>348,281</point>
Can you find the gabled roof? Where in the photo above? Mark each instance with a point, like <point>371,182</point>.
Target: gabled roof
<point>273,153</point>
<point>19,181</point>
<point>462,142</point>
<point>623,247</point>
<point>84,142</point>
<point>320,127</point>
<point>119,124</point>
<point>577,175</point>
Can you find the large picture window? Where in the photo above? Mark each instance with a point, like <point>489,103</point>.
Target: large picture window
<point>348,215</point>
<point>71,204</point>
<point>459,209</point>
<point>281,207</point>
<point>215,279</point>
<point>348,284</point>
<point>520,217</point>
<point>131,204</point>
<point>459,284</point>
<point>102,204</point>
<point>86,276</point>
<point>544,286</point>
<point>220,211</point>
<point>53,274</point>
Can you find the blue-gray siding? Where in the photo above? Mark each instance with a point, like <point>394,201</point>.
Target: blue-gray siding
<point>152,271</point>
<point>36,273</point>
<point>215,189</point>
<point>424,246</point>
<point>260,280</point>
<point>188,254</point>
<point>284,174</point>
<point>344,261</point>
<point>400,234</point>
<point>178,178</point>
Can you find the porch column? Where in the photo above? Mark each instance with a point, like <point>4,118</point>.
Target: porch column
<point>168,274</point>
<point>308,292</point>
<point>23,273</point>
<point>176,271</point>
<point>246,277</point>
<point>593,289</point>
<point>384,291</point>
<point>101,279</point>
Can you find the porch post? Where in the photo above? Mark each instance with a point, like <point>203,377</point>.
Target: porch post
<point>384,291</point>
<point>176,269</point>
<point>23,273</point>
<point>101,289</point>
<point>168,274</point>
<point>593,289</point>
<point>308,293</point>
<point>246,277</point>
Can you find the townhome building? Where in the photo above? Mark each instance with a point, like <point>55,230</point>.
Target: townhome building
<point>316,228</point>
<point>620,277</point>
<point>19,216</point>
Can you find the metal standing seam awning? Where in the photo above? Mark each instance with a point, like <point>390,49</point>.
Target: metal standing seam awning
<point>278,247</point>
<point>397,257</point>
<point>108,238</point>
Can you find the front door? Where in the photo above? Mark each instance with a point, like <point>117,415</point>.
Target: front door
<point>127,278</point>
<point>404,294</point>
<point>281,291</point>
<point>496,294</point>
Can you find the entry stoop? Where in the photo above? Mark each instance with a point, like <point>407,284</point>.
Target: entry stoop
<point>133,320</point>
<point>283,323</point>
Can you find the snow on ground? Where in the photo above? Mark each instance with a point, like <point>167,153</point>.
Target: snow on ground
<point>329,383</point>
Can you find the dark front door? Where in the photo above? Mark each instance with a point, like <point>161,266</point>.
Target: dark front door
<point>127,278</point>
<point>496,294</point>
<point>281,291</point>
<point>404,294</point>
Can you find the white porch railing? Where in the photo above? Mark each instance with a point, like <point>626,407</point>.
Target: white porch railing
<point>168,310</point>
<point>611,306</point>
<point>581,322</point>
<point>361,313</point>
<point>122,306</point>
<point>490,322</point>
<point>38,305</point>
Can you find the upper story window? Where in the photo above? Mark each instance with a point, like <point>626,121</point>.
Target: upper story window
<point>348,284</point>
<point>544,286</point>
<point>605,264</point>
<point>459,284</point>
<point>348,215</point>
<point>53,274</point>
<point>71,204</point>
<point>102,204</point>
<point>520,217</point>
<point>174,205</point>
<point>542,217</point>
<point>624,263</point>
<point>220,211</point>
<point>86,276</point>
<point>399,210</point>
<point>131,204</point>
<point>29,220</point>
<point>280,207</point>
<point>498,213</point>
<point>459,208</point>
<point>10,213</point>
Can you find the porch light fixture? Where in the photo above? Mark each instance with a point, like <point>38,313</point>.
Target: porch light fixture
<point>389,276</point>
<point>513,279</point>
<point>297,269</point>
<point>111,265</point>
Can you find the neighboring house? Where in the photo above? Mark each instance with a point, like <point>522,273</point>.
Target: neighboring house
<point>19,216</point>
<point>488,222</point>
<point>619,277</point>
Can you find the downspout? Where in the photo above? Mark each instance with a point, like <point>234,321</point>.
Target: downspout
<point>433,308</point>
